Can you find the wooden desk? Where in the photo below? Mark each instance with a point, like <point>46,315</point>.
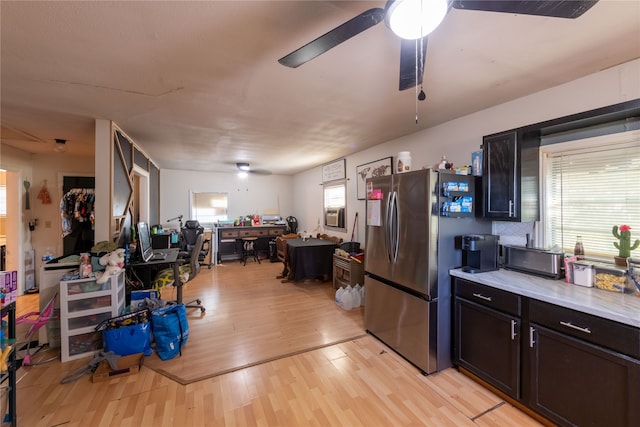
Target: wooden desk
<point>310,258</point>
<point>229,239</point>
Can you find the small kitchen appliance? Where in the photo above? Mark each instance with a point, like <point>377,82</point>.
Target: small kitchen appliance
<point>479,253</point>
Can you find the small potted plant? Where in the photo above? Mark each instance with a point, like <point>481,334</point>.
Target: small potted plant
<point>623,234</point>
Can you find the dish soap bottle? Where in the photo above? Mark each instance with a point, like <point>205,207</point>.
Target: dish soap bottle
<point>578,249</point>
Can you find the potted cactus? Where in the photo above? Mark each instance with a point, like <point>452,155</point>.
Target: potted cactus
<point>623,234</point>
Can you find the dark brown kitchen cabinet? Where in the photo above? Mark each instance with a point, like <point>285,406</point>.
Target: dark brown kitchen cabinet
<point>570,367</point>
<point>487,335</point>
<point>510,180</point>
<point>584,370</point>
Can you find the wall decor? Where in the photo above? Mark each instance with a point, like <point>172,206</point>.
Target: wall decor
<point>334,170</point>
<point>380,167</point>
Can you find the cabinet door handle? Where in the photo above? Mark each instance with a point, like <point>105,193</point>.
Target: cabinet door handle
<point>482,297</point>
<point>578,328</point>
<point>510,208</point>
<point>532,340</point>
<point>513,330</point>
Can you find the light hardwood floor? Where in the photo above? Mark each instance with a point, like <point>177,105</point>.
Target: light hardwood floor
<point>355,383</point>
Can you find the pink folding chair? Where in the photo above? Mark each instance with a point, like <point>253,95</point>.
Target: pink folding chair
<point>37,320</point>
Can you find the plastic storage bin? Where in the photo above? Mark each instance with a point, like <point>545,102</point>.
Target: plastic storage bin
<point>612,278</point>
<point>584,274</point>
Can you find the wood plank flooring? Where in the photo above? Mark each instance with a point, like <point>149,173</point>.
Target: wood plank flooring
<point>359,382</point>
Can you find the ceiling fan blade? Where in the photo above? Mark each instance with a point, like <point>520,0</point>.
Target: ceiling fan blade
<point>333,38</point>
<point>260,172</point>
<point>408,59</point>
<point>552,8</point>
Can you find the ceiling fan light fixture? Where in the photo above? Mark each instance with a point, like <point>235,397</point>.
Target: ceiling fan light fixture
<point>414,19</point>
<point>61,145</point>
<point>244,167</point>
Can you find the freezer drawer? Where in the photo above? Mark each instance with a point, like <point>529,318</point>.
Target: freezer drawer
<point>403,322</point>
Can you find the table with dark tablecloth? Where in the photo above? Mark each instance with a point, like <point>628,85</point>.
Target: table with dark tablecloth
<point>310,258</point>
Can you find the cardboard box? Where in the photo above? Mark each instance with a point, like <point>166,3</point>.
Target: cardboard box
<point>137,297</point>
<point>127,365</point>
<point>9,286</point>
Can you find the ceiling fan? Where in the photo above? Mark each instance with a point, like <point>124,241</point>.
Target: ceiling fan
<point>418,12</point>
<point>245,168</point>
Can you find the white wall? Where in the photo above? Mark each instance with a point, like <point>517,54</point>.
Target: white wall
<point>458,138</point>
<point>252,195</point>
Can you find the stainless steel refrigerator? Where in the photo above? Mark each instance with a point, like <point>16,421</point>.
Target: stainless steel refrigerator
<point>412,221</point>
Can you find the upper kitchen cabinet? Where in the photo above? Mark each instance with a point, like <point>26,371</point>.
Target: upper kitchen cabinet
<point>510,181</point>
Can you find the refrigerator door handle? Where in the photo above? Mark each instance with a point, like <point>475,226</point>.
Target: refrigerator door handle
<point>393,227</point>
<point>388,238</point>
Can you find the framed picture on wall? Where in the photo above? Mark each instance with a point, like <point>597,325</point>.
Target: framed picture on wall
<point>380,167</point>
<point>334,170</point>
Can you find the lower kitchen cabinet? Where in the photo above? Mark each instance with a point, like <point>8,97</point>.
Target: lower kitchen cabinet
<point>579,375</point>
<point>487,334</point>
<point>570,367</point>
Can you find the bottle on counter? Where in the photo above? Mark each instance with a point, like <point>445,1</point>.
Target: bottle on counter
<point>578,249</point>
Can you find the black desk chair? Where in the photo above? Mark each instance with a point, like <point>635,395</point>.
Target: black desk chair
<point>188,272</point>
<point>190,232</point>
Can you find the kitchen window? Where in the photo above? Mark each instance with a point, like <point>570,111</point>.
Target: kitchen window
<point>209,208</point>
<point>590,185</point>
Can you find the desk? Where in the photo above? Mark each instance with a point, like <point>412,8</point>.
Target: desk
<point>172,260</point>
<point>229,239</point>
<point>310,259</point>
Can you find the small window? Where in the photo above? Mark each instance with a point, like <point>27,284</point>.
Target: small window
<point>335,204</point>
<point>209,208</point>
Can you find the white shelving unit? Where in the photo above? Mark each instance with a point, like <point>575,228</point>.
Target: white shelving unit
<point>83,305</point>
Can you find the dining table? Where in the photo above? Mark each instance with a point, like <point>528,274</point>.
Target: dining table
<point>310,258</point>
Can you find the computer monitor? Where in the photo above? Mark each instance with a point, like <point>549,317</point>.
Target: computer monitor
<point>144,241</point>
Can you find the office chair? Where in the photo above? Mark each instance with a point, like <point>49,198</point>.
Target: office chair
<point>190,232</point>
<point>37,320</point>
<point>188,272</point>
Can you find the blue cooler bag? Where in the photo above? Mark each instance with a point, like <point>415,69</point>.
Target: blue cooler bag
<point>170,330</point>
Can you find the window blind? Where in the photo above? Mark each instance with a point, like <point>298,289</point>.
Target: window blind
<point>590,190</point>
<point>208,208</point>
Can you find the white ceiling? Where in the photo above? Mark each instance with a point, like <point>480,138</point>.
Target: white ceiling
<point>198,86</point>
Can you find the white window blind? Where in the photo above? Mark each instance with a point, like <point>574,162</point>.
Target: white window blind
<point>208,208</point>
<point>588,191</point>
<point>335,196</point>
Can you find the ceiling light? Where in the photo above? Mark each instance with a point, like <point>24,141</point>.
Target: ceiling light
<point>61,145</point>
<point>243,166</point>
<point>414,19</point>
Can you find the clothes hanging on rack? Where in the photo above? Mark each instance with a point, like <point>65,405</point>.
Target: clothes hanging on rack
<point>77,204</point>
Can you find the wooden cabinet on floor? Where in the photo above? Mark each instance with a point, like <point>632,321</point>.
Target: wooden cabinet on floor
<point>347,271</point>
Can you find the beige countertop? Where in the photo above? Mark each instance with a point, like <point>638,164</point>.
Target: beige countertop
<point>623,308</point>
